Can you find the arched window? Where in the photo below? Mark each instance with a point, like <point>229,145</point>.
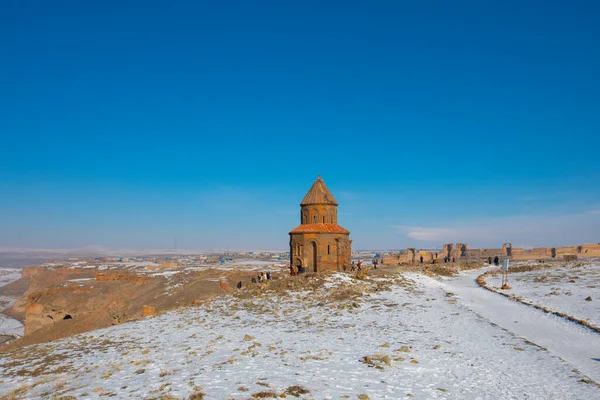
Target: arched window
<point>314,219</point>
<point>328,250</point>
<point>323,219</point>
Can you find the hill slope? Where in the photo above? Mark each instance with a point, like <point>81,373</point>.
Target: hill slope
<point>313,337</point>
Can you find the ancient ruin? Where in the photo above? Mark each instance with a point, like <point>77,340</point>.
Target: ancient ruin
<point>319,243</point>
<point>462,251</point>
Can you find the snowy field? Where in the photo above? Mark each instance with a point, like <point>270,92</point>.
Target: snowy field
<point>564,289</point>
<point>387,338</point>
<point>8,325</point>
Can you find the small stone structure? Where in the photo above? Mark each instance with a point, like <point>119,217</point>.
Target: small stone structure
<point>319,243</point>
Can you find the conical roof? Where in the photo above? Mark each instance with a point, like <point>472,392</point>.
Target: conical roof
<point>319,194</point>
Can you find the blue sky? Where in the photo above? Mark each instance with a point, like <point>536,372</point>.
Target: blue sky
<point>125,124</point>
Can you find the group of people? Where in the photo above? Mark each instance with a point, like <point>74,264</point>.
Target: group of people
<point>297,270</point>
<point>263,276</point>
<point>356,267</point>
<point>447,259</point>
<point>496,260</point>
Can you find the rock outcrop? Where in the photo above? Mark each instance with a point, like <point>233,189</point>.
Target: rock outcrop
<point>137,279</point>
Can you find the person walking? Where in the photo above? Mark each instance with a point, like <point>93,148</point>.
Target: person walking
<point>421,258</point>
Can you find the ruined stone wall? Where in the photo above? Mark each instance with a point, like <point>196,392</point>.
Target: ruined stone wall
<point>519,254</point>
<point>566,251</point>
<point>458,250</point>
<point>590,250</point>
<point>485,253</point>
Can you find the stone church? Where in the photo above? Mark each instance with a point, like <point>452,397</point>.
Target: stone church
<point>319,243</point>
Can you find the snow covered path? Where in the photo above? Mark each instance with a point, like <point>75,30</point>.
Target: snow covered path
<point>577,345</point>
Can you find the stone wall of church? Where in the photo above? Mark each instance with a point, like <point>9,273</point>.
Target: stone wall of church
<point>333,251</point>
<point>318,214</point>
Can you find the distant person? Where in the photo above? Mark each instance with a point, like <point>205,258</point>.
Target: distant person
<point>421,259</point>
<point>239,285</point>
<point>359,265</point>
<point>375,263</point>
<point>453,259</point>
<point>490,260</point>
<point>268,276</point>
<point>496,261</point>
<point>353,268</point>
<point>253,280</point>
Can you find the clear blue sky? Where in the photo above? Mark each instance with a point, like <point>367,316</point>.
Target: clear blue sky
<point>124,124</point>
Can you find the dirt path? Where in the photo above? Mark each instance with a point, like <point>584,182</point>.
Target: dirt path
<point>575,344</point>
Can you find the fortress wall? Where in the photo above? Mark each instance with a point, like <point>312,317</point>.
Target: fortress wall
<point>590,250</point>
<point>485,253</point>
<point>566,251</point>
<point>533,254</point>
<point>517,254</point>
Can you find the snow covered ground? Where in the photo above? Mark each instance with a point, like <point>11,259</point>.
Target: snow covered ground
<point>561,288</point>
<point>574,343</point>
<point>8,325</point>
<point>389,338</point>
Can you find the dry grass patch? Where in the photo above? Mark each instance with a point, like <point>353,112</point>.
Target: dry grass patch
<point>296,391</point>
<point>197,396</point>
<point>265,395</point>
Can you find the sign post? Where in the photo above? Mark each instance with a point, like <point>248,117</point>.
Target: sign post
<point>505,274</point>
